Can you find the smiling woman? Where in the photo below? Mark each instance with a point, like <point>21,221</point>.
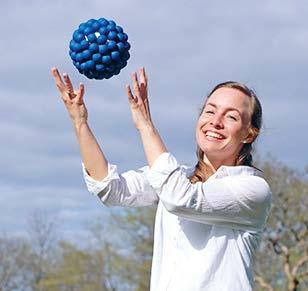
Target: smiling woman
<point>229,123</point>
<point>210,217</point>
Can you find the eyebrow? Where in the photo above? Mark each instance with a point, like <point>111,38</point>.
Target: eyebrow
<point>228,108</point>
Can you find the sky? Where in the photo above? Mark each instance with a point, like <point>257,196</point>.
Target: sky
<point>187,47</point>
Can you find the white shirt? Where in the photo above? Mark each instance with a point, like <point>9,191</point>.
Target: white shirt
<point>205,234</point>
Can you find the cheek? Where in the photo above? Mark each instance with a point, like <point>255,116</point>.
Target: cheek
<point>201,121</point>
<point>238,133</point>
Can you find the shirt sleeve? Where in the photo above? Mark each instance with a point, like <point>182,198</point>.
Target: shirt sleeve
<point>129,189</point>
<point>240,201</point>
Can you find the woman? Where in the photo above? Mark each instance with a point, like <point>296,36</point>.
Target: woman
<point>210,217</point>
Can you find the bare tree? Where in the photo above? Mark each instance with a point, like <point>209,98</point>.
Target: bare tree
<point>42,234</point>
<point>14,253</point>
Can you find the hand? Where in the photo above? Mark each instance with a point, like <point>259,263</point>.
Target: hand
<point>73,100</point>
<point>139,103</point>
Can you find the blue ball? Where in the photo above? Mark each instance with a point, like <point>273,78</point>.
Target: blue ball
<point>103,30</point>
<point>99,48</point>
<point>88,30</point>
<point>112,35</point>
<point>101,39</point>
<point>90,64</point>
<point>111,27</point>
<point>96,25</point>
<point>97,58</point>
<point>122,36</point>
<point>127,46</point>
<point>119,64</point>
<point>77,36</point>
<point>93,48</point>
<point>84,44</point>
<point>73,55</point>
<point>103,49</point>
<point>72,45</point>
<point>86,54</point>
<point>115,55</point>
<point>100,67</point>
<point>106,59</point>
<point>92,38</point>
<point>111,22</point>
<point>90,21</point>
<point>108,75</point>
<point>79,57</point>
<point>77,65</point>
<point>82,27</point>
<point>121,46</point>
<point>77,47</point>
<point>103,22</point>
<point>117,71</point>
<point>82,66</point>
<point>111,68</point>
<point>126,56</point>
<point>123,64</point>
<point>112,45</point>
<point>119,28</point>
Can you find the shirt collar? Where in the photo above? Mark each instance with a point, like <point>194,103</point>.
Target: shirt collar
<point>224,171</point>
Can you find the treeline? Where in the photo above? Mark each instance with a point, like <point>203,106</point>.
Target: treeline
<point>117,254</point>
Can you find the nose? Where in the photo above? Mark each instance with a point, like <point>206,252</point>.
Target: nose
<point>216,121</point>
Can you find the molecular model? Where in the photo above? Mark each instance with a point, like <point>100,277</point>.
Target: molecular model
<point>99,49</point>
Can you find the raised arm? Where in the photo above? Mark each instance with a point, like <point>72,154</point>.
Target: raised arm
<point>92,156</point>
<point>139,105</point>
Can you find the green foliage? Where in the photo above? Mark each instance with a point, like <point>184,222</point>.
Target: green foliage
<point>283,255</point>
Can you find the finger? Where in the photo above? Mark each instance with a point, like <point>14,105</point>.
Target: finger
<point>58,79</point>
<point>143,85</point>
<point>69,85</point>
<point>80,94</point>
<point>136,85</point>
<point>143,77</point>
<point>144,89</point>
<point>131,98</point>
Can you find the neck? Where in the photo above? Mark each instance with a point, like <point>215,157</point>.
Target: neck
<point>216,163</point>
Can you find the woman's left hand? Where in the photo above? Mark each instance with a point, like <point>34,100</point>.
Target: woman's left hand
<point>139,103</point>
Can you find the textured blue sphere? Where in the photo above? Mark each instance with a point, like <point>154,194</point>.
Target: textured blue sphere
<point>99,48</point>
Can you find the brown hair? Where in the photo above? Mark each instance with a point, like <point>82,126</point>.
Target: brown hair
<point>202,170</point>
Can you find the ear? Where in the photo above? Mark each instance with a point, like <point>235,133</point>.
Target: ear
<point>252,134</point>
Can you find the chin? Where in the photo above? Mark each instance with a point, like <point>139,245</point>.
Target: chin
<point>210,149</point>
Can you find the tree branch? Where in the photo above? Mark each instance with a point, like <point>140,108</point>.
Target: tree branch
<point>299,264</point>
<point>260,280</point>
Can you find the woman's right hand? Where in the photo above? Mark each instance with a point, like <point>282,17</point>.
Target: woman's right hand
<point>73,99</point>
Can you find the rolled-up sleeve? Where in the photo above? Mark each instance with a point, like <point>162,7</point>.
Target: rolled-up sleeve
<point>129,189</point>
<point>236,201</point>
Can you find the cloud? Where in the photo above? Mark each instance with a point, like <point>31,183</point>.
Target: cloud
<point>187,48</point>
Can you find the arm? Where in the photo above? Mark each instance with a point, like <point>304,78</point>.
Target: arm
<point>102,179</point>
<point>139,105</point>
<point>91,153</point>
<point>241,201</point>
<point>129,189</point>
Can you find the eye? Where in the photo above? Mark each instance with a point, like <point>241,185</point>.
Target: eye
<point>232,117</point>
<point>209,112</point>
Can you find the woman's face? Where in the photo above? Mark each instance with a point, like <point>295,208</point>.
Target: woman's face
<point>224,124</point>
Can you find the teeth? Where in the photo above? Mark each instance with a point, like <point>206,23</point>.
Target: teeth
<point>213,134</point>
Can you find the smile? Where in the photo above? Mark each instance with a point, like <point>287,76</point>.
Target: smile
<point>214,135</point>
